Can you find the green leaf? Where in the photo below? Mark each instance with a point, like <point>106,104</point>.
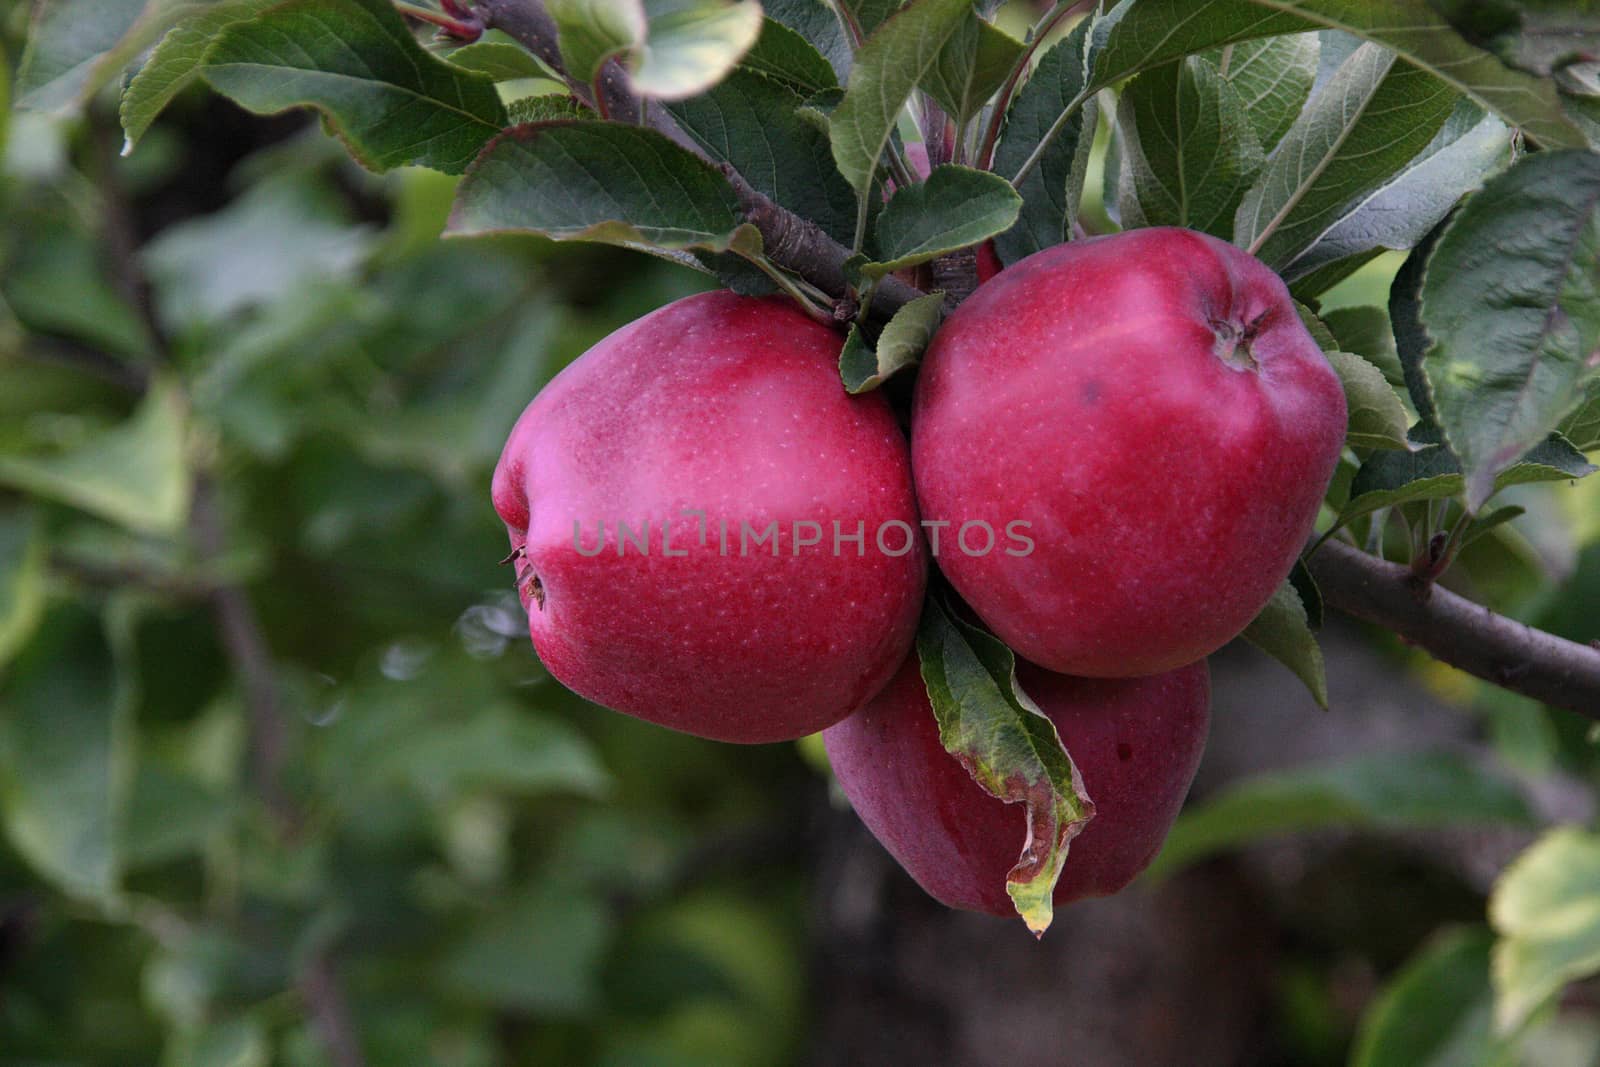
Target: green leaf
<point>900,345</point>
<point>1400,211</point>
<point>690,49</point>
<point>1283,632</point>
<point>1383,791</point>
<point>135,473</point>
<point>1538,37</point>
<point>1365,330</point>
<point>174,64</point>
<point>815,22</point>
<point>1546,910</point>
<point>1411,338</point>
<point>546,107</point>
<point>500,60</point>
<point>1139,34</point>
<point>1272,77</point>
<point>389,100</point>
<point>598,181</point>
<point>592,31</point>
<point>1377,419</point>
<point>971,67</point>
<point>1511,300</point>
<point>1415,31</point>
<point>887,69</point>
<point>496,748</point>
<point>1189,152</point>
<point>76,46</point>
<point>785,56</point>
<point>1437,1011</point>
<point>1374,114</point>
<point>172,815</point>
<point>1582,427</point>
<point>540,952</point>
<point>1432,472</point>
<point>282,237</point>
<point>1008,746</point>
<point>66,753</point>
<point>1051,191</point>
<point>58,255</point>
<point>955,207</point>
<point>240,1042</point>
<point>22,577</point>
<point>751,121</point>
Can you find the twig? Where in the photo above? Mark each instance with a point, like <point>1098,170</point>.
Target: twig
<point>1457,631</point>
<point>330,1013</point>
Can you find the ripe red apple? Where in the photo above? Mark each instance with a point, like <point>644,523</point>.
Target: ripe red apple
<point>1137,743</point>
<point>729,407</point>
<point>1151,405</point>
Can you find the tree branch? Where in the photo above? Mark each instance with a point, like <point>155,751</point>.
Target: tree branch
<point>1457,631</point>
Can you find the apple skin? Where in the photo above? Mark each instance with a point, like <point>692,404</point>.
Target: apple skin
<point>1137,743</point>
<point>988,262</point>
<point>1169,490</point>
<point>732,405</point>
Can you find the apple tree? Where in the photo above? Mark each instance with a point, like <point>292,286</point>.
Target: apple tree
<point>1419,178</point>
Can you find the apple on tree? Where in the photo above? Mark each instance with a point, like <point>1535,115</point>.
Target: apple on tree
<point>1136,742</point>
<point>1152,404</point>
<point>698,427</point>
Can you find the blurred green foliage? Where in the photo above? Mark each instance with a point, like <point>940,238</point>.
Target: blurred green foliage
<point>393,790</point>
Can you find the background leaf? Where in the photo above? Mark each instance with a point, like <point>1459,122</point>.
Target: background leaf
<point>1512,302</point>
<point>66,754</point>
<point>1547,915</point>
<point>1437,1011</point>
<point>135,473</point>
<point>76,46</point>
<point>1383,791</point>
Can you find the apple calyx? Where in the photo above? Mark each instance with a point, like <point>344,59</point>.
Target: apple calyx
<point>1233,342</point>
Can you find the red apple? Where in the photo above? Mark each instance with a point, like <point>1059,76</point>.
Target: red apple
<point>1137,743</point>
<point>730,408</point>
<point>1151,406</point>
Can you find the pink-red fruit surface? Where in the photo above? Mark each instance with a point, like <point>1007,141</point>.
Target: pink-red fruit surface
<point>730,406</point>
<point>1136,742</point>
<point>1153,406</point>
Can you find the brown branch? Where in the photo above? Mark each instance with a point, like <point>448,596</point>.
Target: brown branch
<point>1457,631</point>
<point>330,1012</point>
